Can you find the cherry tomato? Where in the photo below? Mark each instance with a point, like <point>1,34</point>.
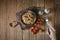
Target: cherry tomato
<point>36,28</point>
<point>35,24</point>
<point>38,19</point>
<point>40,30</point>
<point>32,27</point>
<point>38,25</point>
<point>42,20</point>
<point>35,31</point>
<point>31,30</point>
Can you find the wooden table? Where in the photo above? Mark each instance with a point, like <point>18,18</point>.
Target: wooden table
<point>8,10</point>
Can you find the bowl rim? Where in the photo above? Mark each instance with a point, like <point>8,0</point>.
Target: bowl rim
<point>33,15</point>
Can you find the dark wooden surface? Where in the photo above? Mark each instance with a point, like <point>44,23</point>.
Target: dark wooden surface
<point>57,18</point>
<point>8,10</point>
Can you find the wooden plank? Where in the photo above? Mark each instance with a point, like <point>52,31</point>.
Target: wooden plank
<point>11,16</point>
<point>33,3</point>
<point>22,4</point>
<point>37,3</point>
<point>50,4</point>
<point>19,7</point>
<point>57,18</point>
<point>40,3</point>
<point>25,4</point>
<point>3,20</point>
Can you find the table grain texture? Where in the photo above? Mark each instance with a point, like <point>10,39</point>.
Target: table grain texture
<point>8,10</point>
